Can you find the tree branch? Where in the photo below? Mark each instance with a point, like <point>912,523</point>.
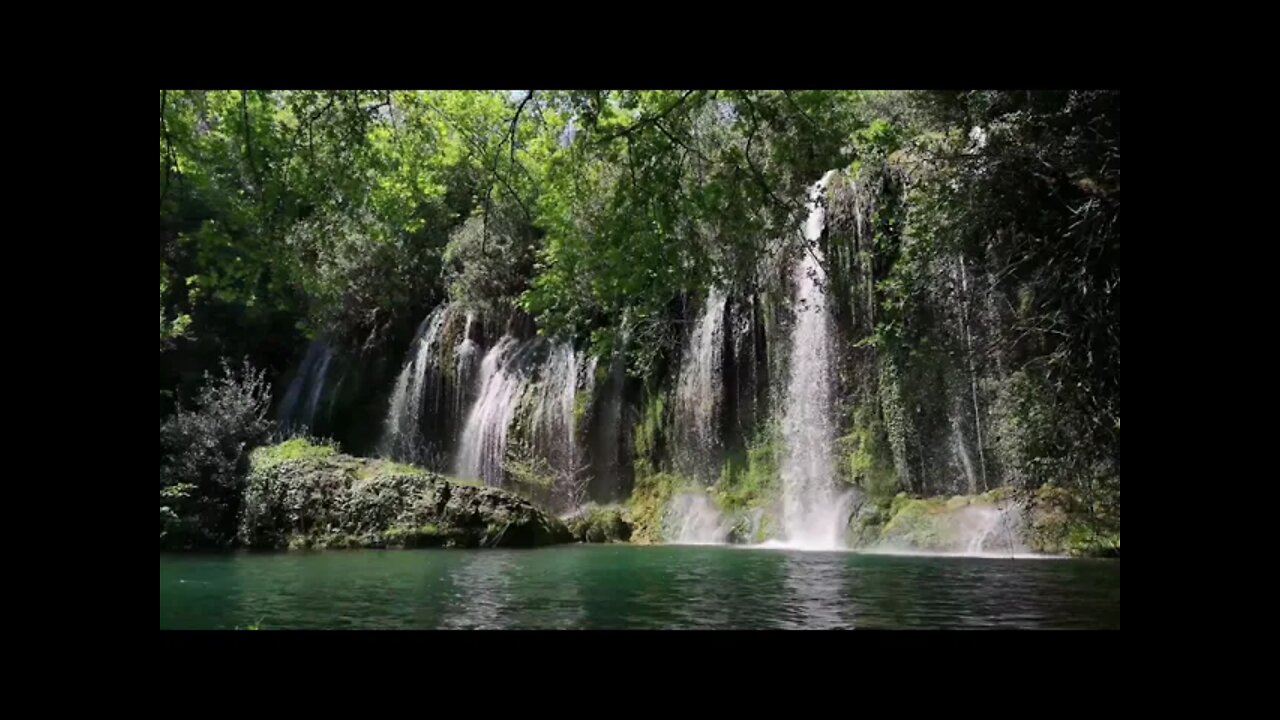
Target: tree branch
<point>803,114</point>
<point>516,120</point>
<point>648,120</point>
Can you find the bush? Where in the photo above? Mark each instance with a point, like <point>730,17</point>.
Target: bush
<point>204,457</point>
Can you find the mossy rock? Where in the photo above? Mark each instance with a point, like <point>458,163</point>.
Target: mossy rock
<point>867,523</point>
<point>919,523</point>
<point>648,505</point>
<point>600,524</point>
<point>299,497</point>
<point>1059,522</point>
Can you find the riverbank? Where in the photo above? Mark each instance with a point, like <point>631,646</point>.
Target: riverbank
<point>301,494</point>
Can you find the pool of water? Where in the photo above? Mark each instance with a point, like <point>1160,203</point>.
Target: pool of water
<point>633,587</point>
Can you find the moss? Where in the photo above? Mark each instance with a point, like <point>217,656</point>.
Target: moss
<point>425,535</point>
<point>864,456</point>
<point>648,434</point>
<point>601,524</point>
<point>918,523</point>
<point>343,501</point>
<point>648,504</point>
<point>868,521</point>
<point>296,448</point>
<point>996,495</point>
<point>581,403</point>
<point>1061,523</point>
<point>764,530</point>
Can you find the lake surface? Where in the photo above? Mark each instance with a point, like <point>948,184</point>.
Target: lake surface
<point>633,587</point>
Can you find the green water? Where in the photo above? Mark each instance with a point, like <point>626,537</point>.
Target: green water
<point>620,586</point>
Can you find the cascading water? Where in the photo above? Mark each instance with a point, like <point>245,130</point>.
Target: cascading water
<point>537,381</point>
<point>298,407</point>
<point>552,426</point>
<point>814,514</point>
<point>700,390</point>
<point>468,355</point>
<point>484,437</point>
<point>402,430</point>
<point>962,452</point>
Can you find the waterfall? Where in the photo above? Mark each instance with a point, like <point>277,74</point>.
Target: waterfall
<point>814,514</point>
<point>692,519</point>
<point>297,409</point>
<point>957,439</point>
<point>552,425</point>
<point>468,352</point>
<point>528,388</point>
<point>700,391</point>
<point>484,437</point>
<point>402,430</point>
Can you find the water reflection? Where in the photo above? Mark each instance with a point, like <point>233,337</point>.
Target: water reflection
<point>478,593</point>
<point>816,587</point>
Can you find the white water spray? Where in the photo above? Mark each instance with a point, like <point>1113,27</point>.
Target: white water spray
<point>692,519</point>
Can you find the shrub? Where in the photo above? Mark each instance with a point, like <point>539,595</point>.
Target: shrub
<point>204,457</point>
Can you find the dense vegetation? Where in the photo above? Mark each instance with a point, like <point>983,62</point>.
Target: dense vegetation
<point>973,247</point>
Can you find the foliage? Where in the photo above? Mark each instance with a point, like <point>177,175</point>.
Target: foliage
<point>204,457</point>
<point>865,459</point>
<point>750,481</point>
<point>660,193</point>
<point>649,430</point>
<point>490,259</point>
<point>1035,202</point>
